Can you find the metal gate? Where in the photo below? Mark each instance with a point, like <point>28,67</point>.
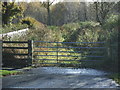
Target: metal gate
<point>67,54</point>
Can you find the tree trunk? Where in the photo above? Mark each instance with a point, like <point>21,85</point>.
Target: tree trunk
<point>4,14</point>
<point>85,12</point>
<point>97,14</point>
<point>49,15</point>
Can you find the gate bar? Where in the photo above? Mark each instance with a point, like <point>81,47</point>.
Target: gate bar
<point>67,42</point>
<point>64,60</point>
<point>72,47</point>
<point>68,56</point>
<point>70,51</point>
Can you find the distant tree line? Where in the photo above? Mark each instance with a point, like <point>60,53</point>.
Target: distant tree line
<point>59,13</point>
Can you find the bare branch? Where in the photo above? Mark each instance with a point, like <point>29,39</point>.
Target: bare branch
<point>51,3</point>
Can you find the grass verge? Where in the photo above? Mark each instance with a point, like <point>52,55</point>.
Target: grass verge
<point>7,72</point>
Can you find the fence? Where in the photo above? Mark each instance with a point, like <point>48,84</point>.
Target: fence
<point>10,49</point>
<point>64,54</point>
<point>44,53</point>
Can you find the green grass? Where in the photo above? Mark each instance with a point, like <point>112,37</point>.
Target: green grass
<point>7,72</point>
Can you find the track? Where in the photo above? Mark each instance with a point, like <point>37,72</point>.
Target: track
<point>53,77</point>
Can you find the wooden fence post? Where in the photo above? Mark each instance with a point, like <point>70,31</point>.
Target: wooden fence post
<point>57,54</point>
<point>30,52</point>
<point>1,44</point>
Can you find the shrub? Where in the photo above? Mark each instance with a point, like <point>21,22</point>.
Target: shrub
<point>31,22</point>
<point>111,22</point>
<point>93,32</point>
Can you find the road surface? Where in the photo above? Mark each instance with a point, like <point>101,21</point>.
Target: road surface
<point>46,78</point>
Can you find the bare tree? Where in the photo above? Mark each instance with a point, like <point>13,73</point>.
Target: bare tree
<point>96,8</point>
<point>102,10</point>
<point>47,6</point>
<point>85,11</point>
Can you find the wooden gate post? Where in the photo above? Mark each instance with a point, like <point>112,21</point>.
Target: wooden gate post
<point>1,44</point>
<point>57,53</point>
<point>30,44</point>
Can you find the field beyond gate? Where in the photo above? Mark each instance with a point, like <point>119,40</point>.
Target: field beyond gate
<point>68,54</point>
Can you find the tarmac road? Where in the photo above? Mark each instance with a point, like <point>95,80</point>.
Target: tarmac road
<point>39,78</point>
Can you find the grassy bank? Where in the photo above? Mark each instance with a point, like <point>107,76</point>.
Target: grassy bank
<point>7,72</point>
